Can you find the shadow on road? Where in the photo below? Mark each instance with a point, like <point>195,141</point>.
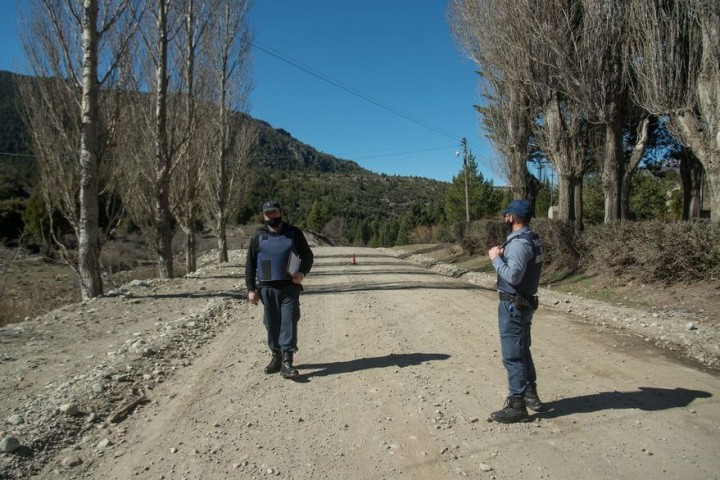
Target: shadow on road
<point>358,364</point>
<point>369,287</point>
<point>237,295</point>
<point>647,398</point>
<point>381,271</point>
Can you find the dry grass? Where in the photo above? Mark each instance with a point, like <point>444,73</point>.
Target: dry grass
<point>32,285</point>
<point>654,252</point>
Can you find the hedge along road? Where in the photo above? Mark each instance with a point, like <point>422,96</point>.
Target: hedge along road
<point>400,368</point>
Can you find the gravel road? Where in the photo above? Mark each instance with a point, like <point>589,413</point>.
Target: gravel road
<point>400,368</point>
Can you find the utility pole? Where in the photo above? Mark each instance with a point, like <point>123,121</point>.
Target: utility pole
<point>463,142</point>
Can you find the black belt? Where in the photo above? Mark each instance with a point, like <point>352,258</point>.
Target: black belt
<point>519,300</point>
<point>506,297</point>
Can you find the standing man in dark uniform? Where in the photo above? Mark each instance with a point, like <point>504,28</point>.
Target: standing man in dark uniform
<point>518,263</point>
<point>278,259</point>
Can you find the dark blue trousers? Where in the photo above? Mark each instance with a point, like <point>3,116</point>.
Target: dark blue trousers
<point>282,312</point>
<point>515,341</point>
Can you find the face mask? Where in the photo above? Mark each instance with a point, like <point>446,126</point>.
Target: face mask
<point>274,222</point>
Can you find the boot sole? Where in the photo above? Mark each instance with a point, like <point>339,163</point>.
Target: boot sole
<point>290,375</point>
<point>507,422</point>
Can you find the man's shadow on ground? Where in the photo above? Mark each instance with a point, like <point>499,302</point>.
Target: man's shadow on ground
<point>358,364</point>
<point>647,398</point>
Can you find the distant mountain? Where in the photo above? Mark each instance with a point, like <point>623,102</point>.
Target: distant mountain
<point>13,138</point>
<point>309,183</point>
<point>299,176</point>
<point>277,148</point>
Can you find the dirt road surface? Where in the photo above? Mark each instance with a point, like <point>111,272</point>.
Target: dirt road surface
<point>400,368</point>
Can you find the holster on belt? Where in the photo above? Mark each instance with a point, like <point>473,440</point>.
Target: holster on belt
<point>520,300</point>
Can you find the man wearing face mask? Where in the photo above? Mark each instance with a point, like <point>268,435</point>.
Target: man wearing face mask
<point>274,276</point>
<point>518,263</point>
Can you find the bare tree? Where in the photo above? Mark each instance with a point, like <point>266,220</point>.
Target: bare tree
<point>504,120</point>
<point>675,49</point>
<point>561,134</point>
<point>477,28</point>
<point>229,57</point>
<point>159,131</point>
<point>72,110</point>
<point>543,32</point>
<point>561,41</point>
<point>185,187</point>
<point>595,75</point>
<point>567,57</point>
<point>162,32</point>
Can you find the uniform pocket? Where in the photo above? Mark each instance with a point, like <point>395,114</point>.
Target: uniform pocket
<point>265,270</point>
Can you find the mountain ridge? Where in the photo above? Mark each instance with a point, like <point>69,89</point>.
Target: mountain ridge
<point>308,182</point>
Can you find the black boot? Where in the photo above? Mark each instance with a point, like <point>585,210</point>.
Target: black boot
<point>287,370</point>
<point>532,400</point>
<point>513,411</point>
<point>275,362</point>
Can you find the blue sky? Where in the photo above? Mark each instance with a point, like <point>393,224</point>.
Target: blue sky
<point>396,53</point>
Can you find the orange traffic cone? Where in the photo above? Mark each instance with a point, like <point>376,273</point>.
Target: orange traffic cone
<point>353,262</point>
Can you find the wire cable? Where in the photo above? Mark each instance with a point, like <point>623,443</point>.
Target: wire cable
<point>353,91</point>
<point>365,157</point>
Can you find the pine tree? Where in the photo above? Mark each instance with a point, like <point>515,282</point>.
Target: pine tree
<point>483,198</point>
<point>406,225</point>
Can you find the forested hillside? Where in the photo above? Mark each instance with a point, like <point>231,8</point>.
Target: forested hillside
<point>319,191</point>
<point>13,138</point>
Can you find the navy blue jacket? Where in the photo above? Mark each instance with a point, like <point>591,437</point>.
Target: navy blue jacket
<point>268,254</point>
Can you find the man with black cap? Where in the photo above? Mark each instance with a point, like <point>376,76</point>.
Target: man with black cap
<point>518,263</point>
<point>278,259</point>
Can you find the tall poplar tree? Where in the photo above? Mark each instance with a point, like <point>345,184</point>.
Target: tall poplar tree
<point>72,109</point>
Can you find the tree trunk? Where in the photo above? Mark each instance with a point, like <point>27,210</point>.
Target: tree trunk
<point>88,234</point>
<point>578,202</point>
<point>714,184</point>
<point>193,173</point>
<point>612,171</point>
<point>709,157</point>
<point>190,250</point>
<point>565,196</point>
<point>635,157</point>
<point>163,220</point>
<point>517,148</point>
<point>691,174</point>
<point>556,140</point>
<point>222,238</point>
<point>163,215</point>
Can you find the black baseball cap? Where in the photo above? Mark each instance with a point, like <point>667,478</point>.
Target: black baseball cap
<point>270,205</point>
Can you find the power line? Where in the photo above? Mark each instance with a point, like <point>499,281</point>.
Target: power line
<point>402,153</point>
<point>353,91</point>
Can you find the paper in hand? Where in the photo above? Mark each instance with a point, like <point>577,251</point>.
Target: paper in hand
<point>293,264</point>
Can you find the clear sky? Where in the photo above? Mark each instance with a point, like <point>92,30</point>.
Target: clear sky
<point>380,82</point>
